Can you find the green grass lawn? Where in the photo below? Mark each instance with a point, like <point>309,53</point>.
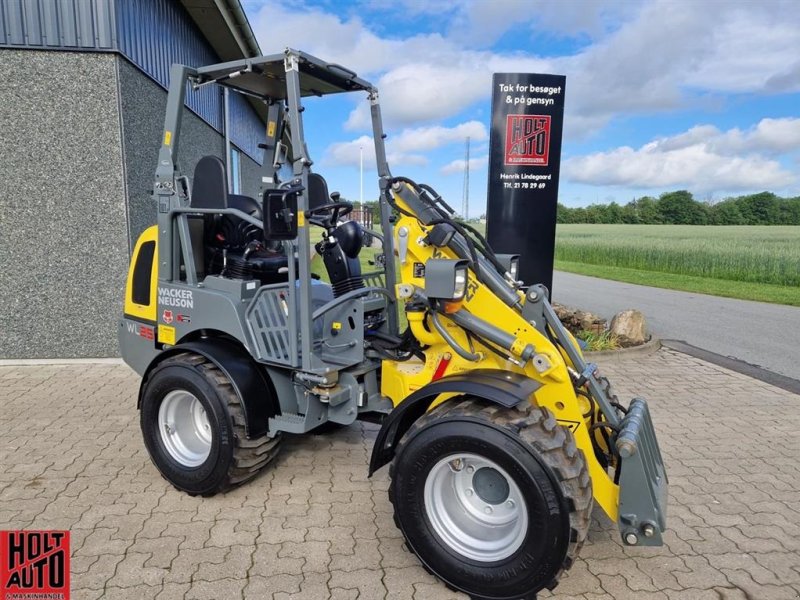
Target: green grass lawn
<point>748,262</point>
<point>762,292</point>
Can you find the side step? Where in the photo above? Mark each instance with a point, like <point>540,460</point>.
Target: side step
<point>643,479</point>
<point>288,422</point>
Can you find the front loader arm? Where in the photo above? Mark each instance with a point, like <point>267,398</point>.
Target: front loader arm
<point>498,327</point>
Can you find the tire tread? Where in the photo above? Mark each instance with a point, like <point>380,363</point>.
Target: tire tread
<point>538,428</point>
<point>250,456</point>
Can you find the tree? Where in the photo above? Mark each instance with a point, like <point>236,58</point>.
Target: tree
<point>595,213</point>
<point>372,205</point>
<point>579,215</point>
<point>790,211</point>
<point>759,209</point>
<point>680,208</point>
<point>563,214</point>
<point>725,213</point>
<point>613,213</point>
<point>630,213</point>
<point>647,209</point>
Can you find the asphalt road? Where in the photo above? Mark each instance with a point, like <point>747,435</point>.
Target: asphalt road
<point>767,335</point>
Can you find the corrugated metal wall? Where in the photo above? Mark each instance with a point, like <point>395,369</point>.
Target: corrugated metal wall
<point>247,129</point>
<point>152,34</point>
<point>74,24</point>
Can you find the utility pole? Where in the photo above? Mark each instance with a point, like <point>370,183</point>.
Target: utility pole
<point>465,193</point>
<point>361,163</point>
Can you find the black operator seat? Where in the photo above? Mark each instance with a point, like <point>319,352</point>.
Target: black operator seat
<point>210,185</point>
<point>317,191</point>
<point>233,247</point>
<point>209,190</point>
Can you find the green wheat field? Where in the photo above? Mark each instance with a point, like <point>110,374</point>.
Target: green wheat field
<point>748,262</point>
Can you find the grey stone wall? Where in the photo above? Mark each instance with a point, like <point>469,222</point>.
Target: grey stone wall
<point>143,104</point>
<point>79,140</point>
<point>63,233</point>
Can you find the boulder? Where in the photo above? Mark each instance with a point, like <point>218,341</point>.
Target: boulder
<point>564,313</point>
<point>590,322</point>
<point>629,327</point>
<point>579,320</point>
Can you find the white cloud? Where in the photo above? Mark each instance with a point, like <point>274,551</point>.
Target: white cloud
<point>350,154</point>
<point>483,23</point>
<point>776,135</point>
<point>405,148</point>
<point>340,39</point>
<point>770,136</point>
<point>746,50</point>
<point>430,138</point>
<point>672,55</point>
<point>419,92</point>
<point>421,78</point>
<point>660,56</point>
<point>413,8</point>
<point>702,159</point>
<point>479,163</point>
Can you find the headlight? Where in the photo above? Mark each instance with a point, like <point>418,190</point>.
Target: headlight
<point>446,279</point>
<point>460,287</point>
<point>511,264</point>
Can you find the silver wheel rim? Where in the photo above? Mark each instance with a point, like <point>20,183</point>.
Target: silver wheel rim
<point>184,428</point>
<point>475,507</point>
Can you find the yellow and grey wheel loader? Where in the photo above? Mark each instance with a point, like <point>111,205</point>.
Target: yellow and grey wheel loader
<point>499,435</point>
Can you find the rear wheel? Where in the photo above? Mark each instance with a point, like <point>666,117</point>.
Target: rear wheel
<point>193,426</point>
<point>496,502</point>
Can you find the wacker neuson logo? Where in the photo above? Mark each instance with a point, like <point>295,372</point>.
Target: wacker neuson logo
<point>175,297</point>
<point>34,565</point>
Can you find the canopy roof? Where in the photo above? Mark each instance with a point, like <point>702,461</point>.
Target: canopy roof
<point>265,76</point>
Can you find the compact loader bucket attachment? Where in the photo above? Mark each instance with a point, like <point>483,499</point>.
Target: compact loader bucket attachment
<point>643,479</point>
<point>500,437</point>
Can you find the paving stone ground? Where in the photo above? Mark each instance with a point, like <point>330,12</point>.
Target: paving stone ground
<point>313,525</point>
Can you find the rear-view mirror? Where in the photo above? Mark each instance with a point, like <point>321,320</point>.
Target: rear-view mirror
<point>280,213</point>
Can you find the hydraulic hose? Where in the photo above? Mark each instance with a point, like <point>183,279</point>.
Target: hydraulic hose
<point>424,189</point>
<point>427,213</point>
<point>462,352</point>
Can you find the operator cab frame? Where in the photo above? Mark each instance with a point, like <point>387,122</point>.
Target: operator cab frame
<point>204,230</point>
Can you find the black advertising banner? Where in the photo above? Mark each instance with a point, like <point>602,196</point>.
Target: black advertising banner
<point>524,162</point>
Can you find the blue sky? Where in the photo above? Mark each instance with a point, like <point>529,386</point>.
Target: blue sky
<point>660,95</point>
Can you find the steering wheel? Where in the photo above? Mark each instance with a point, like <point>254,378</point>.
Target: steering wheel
<point>329,214</point>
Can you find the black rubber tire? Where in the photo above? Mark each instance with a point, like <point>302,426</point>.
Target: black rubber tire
<point>233,459</point>
<point>541,456</point>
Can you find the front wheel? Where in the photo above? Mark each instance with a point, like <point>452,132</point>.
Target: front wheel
<point>193,425</point>
<point>496,502</point>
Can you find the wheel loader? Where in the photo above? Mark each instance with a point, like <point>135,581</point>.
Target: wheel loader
<point>499,436</point>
